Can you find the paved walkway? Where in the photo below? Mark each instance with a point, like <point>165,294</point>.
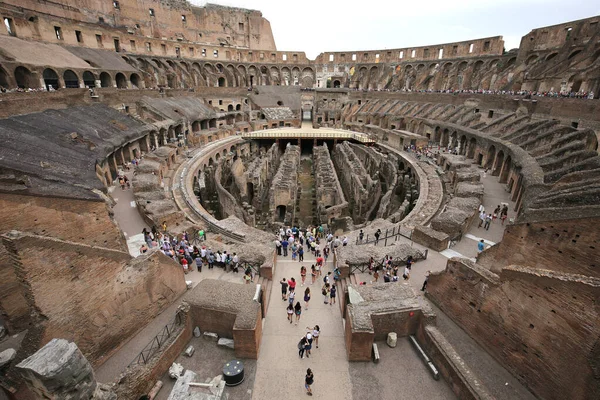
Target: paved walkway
<point>280,372</point>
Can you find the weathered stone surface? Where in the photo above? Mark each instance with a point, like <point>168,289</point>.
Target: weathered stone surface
<point>464,189</point>
<point>211,335</point>
<point>7,356</point>
<point>175,370</point>
<point>190,351</point>
<point>226,343</point>
<point>59,370</point>
<point>392,339</point>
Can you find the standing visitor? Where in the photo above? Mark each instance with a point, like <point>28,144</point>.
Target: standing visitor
<point>302,346</point>
<point>290,312</point>
<point>306,298</point>
<point>480,246</point>
<point>316,332</point>
<point>426,280</point>
<point>325,293</point>
<point>332,293</point>
<point>284,286</point>
<point>301,253</point>
<point>313,273</point>
<point>298,311</point>
<point>308,381</point>
<point>303,274</point>
<point>377,234</point>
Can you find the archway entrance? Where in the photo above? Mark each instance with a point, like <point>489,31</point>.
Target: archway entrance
<point>50,79</point>
<point>71,80</point>
<point>280,213</point>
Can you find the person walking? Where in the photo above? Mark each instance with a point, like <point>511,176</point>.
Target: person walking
<point>303,274</point>
<point>316,332</point>
<point>488,221</point>
<point>306,298</point>
<point>302,346</point>
<point>290,312</point>
<point>426,280</point>
<point>308,381</point>
<point>313,273</point>
<point>292,284</point>
<point>284,286</point>
<point>309,340</point>
<point>298,311</point>
<point>325,293</point>
<point>284,246</point>
<point>377,234</point>
<point>332,293</point>
<point>480,246</point>
<point>300,253</point>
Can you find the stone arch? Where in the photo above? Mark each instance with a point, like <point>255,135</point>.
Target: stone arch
<point>3,78</point>
<point>253,76</point>
<point>105,80</point>
<point>296,76</point>
<point>242,75</point>
<point>286,76</point>
<point>490,157</point>
<point>445,138</point>
<point>221,82</point>
<point>463,145</point>
<point>437,134</point>
<point>50,78</point>
<point>336,84</point>
<point>308,77</point>
<point>231,75</point>
<point>71,79</point>
<point>264,75</point>
<point>230,108</point>
<point>373,73</point>
<point>89,80</point>
<point>453,140</point>
<point>461,81</point>
<point>135,80</point>
<point>446,81</point>
<point>531,59</point>
<point>121,81</point>
<point>238,107</point>
<point>573,54</point>
<point>275,76</point>
<point>23,78</point>
<point>472,147</point>
<point>506,165</point>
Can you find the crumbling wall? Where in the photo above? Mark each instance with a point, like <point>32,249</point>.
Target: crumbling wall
<point>542,325</point>
<point>227,202</point>
<point>360,190</point>
<point>331,202</point>
<point>110,296</point>
<point>259,172</point>
<point>284,187</point>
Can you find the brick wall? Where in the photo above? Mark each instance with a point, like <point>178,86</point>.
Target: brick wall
<point>95,297</point>
<point>543,326</point>
<point>566,246</point>
<point>247,341</point>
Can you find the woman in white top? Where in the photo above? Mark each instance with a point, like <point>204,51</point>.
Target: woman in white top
<point>316,331</point>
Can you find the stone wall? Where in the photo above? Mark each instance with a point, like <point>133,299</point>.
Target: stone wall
<point>567,246</point>
<point>284,186</point>
<point>360,190</point>
<point>331,202</point>
<point>259,172</point>
<point>109,298</point>
<point>542,325</point>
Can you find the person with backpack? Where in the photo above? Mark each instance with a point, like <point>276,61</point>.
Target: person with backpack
<point>325,293</point>
<point>301,346</point>
<point>308,381</point>
<point>332,293</point>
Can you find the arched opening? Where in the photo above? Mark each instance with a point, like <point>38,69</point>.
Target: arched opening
<point>221,82</point>
<point>573,54</point>
<point>105,80</point>
<point>472,146</point>
<point>195,126</point>
<point>491,155</point>
<point>23,78</point>
<point>280,213</point>
<point>50,79</point>
<point>551,56</point>
<point>437,135</point>
<point>135,80</point>
<point>238,107</point>
<point>121,81</point>
<point>463,145</point>
<point>250,192</point>
<point>212,123</point>
<point>505,170</point>
<point>3,78</point>
<point>533,58</point>
<point>88,79</point>
<point>445,140</point>
<point>230,107</point>
<point>71,80</point>
<point>336,84</point>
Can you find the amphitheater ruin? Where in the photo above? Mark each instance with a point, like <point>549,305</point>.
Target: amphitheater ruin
<point>140,141</point>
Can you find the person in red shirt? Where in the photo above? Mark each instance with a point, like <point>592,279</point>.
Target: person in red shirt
<point>292,285</point>
<point>320,261</point>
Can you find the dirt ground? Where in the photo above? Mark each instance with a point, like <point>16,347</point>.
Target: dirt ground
<point>208,361</point>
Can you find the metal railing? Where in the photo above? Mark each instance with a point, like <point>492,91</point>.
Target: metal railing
<point>390,235</point>
<point>158,342</point>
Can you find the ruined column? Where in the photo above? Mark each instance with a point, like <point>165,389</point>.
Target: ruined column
<point>59,371</point>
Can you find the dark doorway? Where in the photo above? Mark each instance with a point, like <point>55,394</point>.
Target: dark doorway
<point>50,79</point>
<point>280,213</point>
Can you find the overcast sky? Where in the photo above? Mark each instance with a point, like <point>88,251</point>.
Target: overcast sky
<point>316,26</point>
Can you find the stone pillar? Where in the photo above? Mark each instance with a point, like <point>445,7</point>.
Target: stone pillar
<point>59,371</point>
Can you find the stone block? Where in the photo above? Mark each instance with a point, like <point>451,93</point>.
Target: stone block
<point>175,370</point>
<point>7,356</point>
<point>211,335</point>
<point>392,339</point>
<point>190,351</point>
<point>59,371</point>
<point>226,342</point>
<point>197,332</point>
<point>431,238</point>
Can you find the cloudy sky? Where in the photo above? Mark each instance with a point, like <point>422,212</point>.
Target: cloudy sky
<point>315,26</point>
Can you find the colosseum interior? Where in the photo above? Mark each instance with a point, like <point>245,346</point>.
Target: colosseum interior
<point>142,139</point>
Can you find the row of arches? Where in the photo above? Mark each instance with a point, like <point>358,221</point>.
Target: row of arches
<point>184,74</point>
<point>54,79</point>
